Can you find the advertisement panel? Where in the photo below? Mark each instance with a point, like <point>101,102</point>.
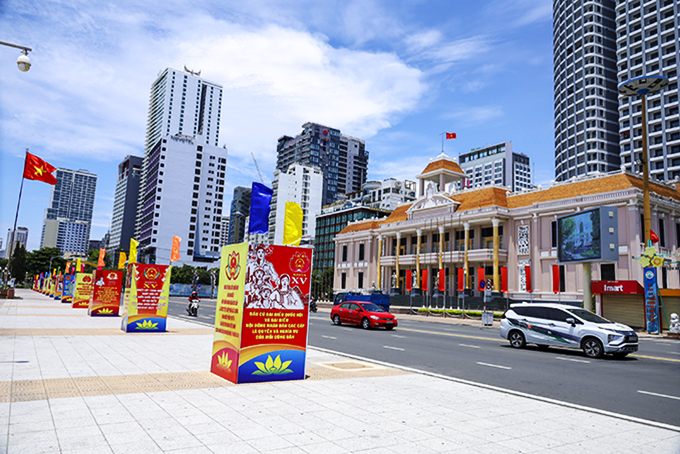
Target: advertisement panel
<point>588,236</point>
<point>59,287</point>
<point>69,287</point>
<point>651,301</point>
<point>106,292</point>
<point>83,291</point>
<point>229,313</point>
<point>145,305</point>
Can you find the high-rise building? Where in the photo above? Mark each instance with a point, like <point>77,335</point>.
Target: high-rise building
<point>301,184</point>
<point>20,237</point>
<point>387,194</point>
<point>182,180</point>
<point>647,44</point>
<point>224,233</point>
<point>125,203</point>
<point>330,222</point>
<point>240,210</point>
<point>597,46</point>
<point>68,219</point>
<point>585,84</point>
<point>342,159</point>
<point>497,165</point>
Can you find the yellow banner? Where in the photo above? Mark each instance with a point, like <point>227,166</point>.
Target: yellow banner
<point>229,315</point>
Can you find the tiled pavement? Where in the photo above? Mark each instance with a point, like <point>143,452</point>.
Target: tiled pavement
<point>76,384</point>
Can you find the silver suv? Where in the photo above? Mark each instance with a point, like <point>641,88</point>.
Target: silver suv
<point>566,326</point>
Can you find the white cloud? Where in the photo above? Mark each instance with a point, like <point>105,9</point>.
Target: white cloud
<point>475,115</point>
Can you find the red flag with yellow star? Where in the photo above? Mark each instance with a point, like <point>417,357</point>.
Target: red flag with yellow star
<point>37,169</point>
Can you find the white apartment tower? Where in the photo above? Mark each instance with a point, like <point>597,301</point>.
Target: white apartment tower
<point>586,96</point>
<point>497,165</point>
<point>183,172</point>
<point>647,44</point>
<point>301,184</point>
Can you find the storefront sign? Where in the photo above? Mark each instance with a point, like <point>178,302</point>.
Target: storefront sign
<point>83,291</point>
<point>262,313</point>
<point>617,287</point>
<point>145,304</point>
<point>106,292</point>
<point>651,301</point>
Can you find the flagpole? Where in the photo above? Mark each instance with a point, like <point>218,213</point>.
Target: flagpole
<point>16,216</point>
<point>442,134</point>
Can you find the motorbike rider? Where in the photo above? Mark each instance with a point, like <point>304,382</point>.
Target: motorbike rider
<point>193,297</point>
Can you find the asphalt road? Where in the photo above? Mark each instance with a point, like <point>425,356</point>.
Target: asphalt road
<point>644,385</point>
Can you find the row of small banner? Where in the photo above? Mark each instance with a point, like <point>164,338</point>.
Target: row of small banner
<point>441,279</point>
<point>262,311</point>
<point>145,294</point>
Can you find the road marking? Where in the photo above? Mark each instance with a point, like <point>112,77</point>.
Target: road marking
<point>469,346</point>
<point>659,395</point>
<point>398,336</point>
<point>673,353</point>
<point>572,359</point>
<point>394,348</point>
<point>657,357</point>
<point>494,365</point>
<point>329,337</point>
<point>498,339</point>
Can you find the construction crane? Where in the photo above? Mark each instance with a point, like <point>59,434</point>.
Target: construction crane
<point>257,167</point>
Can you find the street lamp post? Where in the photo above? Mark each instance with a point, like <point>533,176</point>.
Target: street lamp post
<point>642,86</point>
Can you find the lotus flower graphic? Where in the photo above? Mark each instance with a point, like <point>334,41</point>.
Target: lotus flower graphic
<point>273,367</point>
<point>147,324</point>
<point>105,311</point>
<point>224,361</point>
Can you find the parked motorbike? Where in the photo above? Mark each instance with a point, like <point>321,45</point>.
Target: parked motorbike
<point>192,307</point>
<point>312,305</point>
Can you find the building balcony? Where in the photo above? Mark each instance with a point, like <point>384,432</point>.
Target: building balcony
<point>432,258</point>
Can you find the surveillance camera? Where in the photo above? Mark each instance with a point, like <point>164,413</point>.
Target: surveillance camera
<point>24,62</point>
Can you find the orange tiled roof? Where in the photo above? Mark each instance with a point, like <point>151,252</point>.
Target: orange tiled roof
<point>588,187</point>
<point>398,215</point>
<point>485,197</point>
<point>360,226</point>
<point>443,164</point>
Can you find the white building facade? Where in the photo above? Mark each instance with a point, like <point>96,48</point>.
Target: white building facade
<point>301,184</point>
<point>182,185</point>
<point>497,165</point>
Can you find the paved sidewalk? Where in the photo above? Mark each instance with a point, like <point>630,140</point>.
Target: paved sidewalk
<point>71,383</point>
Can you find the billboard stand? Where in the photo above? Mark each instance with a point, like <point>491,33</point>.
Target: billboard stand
<point>105,299</point>
<point>145,302</point>
<point>262,313</point>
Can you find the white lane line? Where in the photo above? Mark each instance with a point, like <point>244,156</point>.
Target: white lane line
<point>494,365</point>
<point>329,337</point>
<point>469,346</point>
<point>659,395</point>
<point>673,353</point>
<point>398,336</point>
<point>394,348</point>
<point>572,359</point>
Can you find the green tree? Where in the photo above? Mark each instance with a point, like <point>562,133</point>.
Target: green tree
<point>18,264</point>
<point>322,284</point>
<point>182,275</point>
<point>38,261</point>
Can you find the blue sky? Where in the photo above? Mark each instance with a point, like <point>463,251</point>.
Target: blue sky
<point>395,73</point>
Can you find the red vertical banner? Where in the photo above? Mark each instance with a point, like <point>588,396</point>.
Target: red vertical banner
<point>409,277</point>
<point>527,272</point>
<point>442,280</point>
<point>504,279</point>
<point>423,284</point>
<point>105,299</point>
<point>461,279</point>
<point>481,278</point>
<point>556,278</point>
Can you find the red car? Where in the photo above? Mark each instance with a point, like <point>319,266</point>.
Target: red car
<point>368,315</point>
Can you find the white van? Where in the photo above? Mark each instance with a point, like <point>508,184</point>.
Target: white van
<point>566,326</point>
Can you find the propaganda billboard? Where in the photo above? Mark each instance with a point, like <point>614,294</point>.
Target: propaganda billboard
<point>105,299</point>
<point>145,304</point>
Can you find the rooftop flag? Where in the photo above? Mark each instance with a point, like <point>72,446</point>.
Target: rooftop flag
<point>37,169</point>
<point>450,135</point>
<point>260,200</point>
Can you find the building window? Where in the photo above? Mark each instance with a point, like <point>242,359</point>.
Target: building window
<point>361,257</point>
<point>608,272</point>
<point>361,280</point>
<point>562,279</point>
<point>553,234</point>
<point>343,280</point>
<point>344,257</point>
<point>662,233</point>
